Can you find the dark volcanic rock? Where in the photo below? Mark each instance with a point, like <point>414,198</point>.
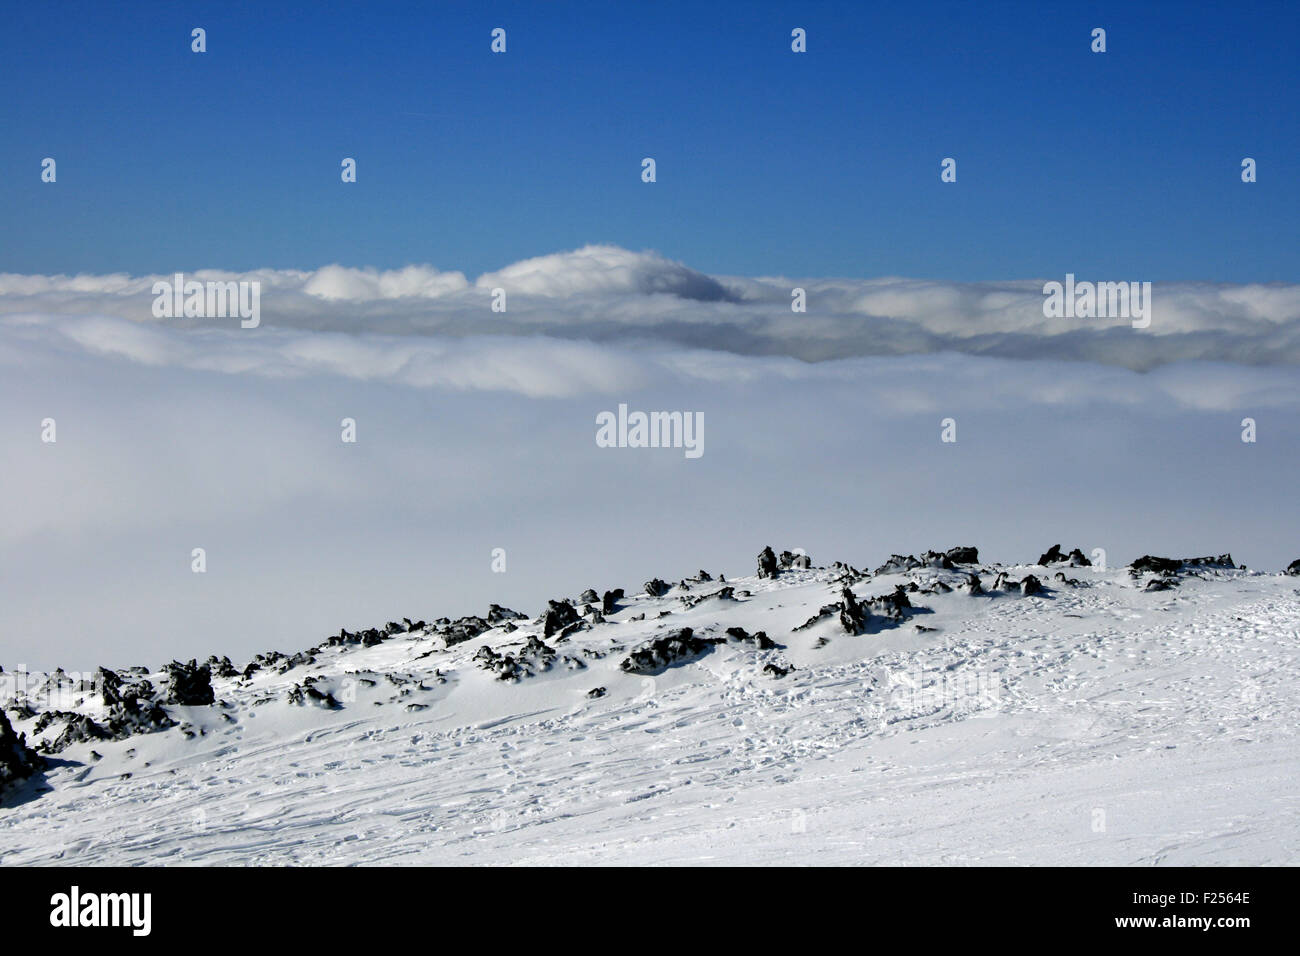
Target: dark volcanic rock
<point>1030,585</point>
<point>498,615</point>
<point>891,606</point>
<point>190,684</point>
<point>758,638</point>
<point>305,693</point>
<point>767,563</point>
<point>17,760</point>
<point>964,555</point>
<point>1293,567</point>
<point>776,670</point>
<point>588,596</point>
<point>1054,555</point>
<point>656,587</point>
<point>1173,565</point>
<point>534,658</point>
<point>898,563</point>
<point>663,652</point>
<point>609,601</point>
<point>1161,584</point>
<point>558,616</point>
<point>596,692</point>
<point>221,667</point>
<point>852,613</point>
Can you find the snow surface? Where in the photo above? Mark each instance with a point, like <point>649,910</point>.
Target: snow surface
<point>1098,724</point>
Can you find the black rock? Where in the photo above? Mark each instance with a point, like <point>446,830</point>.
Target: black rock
<point>588,596</point>
<point>767,563</point>
<point>17,760</point>
<point>559,615</point>
<point>305,693</point>
<point>656,587</point>
<point>609,602</point>
<point>776,670</point>
<point>497,614</point>
<point>964,555</point>
<point>663,652</point>
<point>1030,585</point>
<point>1293,567</point>
<point>758,638</point>
<point>191,684</point>
<point>1052,555</point>
<point>596,692</point>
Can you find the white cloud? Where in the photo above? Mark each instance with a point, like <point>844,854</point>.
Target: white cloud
<point>605,294</point>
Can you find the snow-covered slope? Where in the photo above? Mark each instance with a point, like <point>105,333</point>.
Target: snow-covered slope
<point>939,711</point>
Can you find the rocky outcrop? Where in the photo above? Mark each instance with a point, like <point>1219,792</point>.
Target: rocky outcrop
<point>656,587</point>
<point>535,657</point>
<point>854,615</point>
<point>1054,555</point>
<point>1028,585</point>
<point>189,684</point>
<point>307,693</point>
<point>17,760</point>
<point>663,652</point>
<point>499,615</point>
<point>1293,567</point>
<point>759,638</point>
<point>558,616</point>
<point>767,567</point>
<point>609,601</point>
<point>1174,565</point>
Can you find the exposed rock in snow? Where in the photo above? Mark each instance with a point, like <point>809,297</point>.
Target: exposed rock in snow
<point>731,711</point>
<point>500,615</point>
<point>758,638</point>
<point>1174,565</point>
<point>656,587</point>
<point>767,563</point>
<point>557,616</point>
<point>663,652</point>
<point>190,684</point>
<point>306,693</point>
<point>1054,555</point>
<point>17,761</point>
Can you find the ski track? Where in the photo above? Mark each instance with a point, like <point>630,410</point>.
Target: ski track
<point>1172,715</point>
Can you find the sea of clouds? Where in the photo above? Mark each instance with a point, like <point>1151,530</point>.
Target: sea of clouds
<point>476,431</point>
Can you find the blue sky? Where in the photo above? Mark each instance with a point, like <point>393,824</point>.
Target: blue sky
<point>1120,165</point>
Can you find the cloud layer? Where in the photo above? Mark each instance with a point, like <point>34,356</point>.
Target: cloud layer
<point>604,294</point>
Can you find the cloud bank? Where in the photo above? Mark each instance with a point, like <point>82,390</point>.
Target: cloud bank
<point>604,294</point>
